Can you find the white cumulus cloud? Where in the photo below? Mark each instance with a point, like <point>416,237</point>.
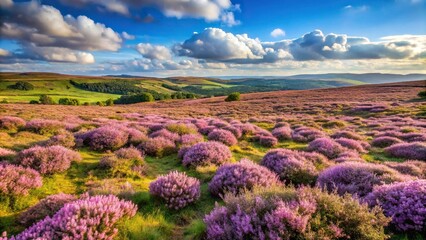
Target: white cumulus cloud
<point>277,32</point>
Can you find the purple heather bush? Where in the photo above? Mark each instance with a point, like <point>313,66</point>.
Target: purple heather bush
<point>190,139</point>
<point>348,156</point>
<point>106,138</point>
<point>123,190</point>
<point>282,133</point>
<point>288,213</point>
<point>238,133</point>
<point>44,126</point>
<point>306,134</point>
<point>128,153</point>
<point>326,146</point>
<point>353,144</point>
<point>404,202</point>
<point>385,141</point>
<point>413,137</point>
<point>11,123</point>
<point>17,180</point>
<point>290,167</point>
<point>164,133</point>
<point>181,128</point>
<point>46,207</point>
<point>125,162</point>
<point>414,150</point>
<point>206,153</point>
<point>243,175</point>
<point>136,136</point>
<point>411,167</point>
<point>158,147</point>
<point>267,141</point>
<point>357,178</point>
<point>347,134</point>
<point>6,154</point>
<point>223,136</point>
<point>176,189</point>
<point>370,108</point>
<point>47,160</point>
<point>63,138</point>
<point>88,218</point>
<point>206,130</point>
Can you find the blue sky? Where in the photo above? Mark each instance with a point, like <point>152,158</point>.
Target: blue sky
<point>213,37</point>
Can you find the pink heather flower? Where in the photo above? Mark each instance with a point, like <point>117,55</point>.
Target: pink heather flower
<point>107,138</point>
<point>11,123</point>
<point>385,141</point>
<point>326,146</point>
<point>223,136</point>
<point>177,189</point>
<point>347,134</point>
<point>164,133</point>
<point>268,141</point>
<point>414,150</point>
<point>158,146</point>
<point>48,160</point>
<point>190,139</point>
<point>63,138</point>
<point>17,180</point>
<point>44,126</point>
<point>206,153</point>
<point>353,144</point>
<point>282,133</point>
<point>306,134</point>
<point>6,153</point>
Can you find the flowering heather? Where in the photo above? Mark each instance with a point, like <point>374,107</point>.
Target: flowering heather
<point>239,176</point>
<point>370,108</point>
<point>177,189</point>
<point>158,147</point>
<point>107,138</point>
<point>246,128</point>
<point>63,138</point>
<point>357,178</point>
<point>44,126</point>
<point>136,136</point>
<point>412,167</point>
<point>164,133</point>
<point>287,213</point>
<point>223,136</point>
<point>206,130</point>
<point>413,137</point>
<point>348,156</point>
<point>181,128</point>
<point>206,153</point>
<point>128,153</point>
<point>306,134</point>
<point>326,146</point>
<point>415,150</point>
<point>46,207</point>
<point>347,134</point>
<point>87,218</point>
<point>123,190</point>
<point>48,160</point>
<point>155,127</point>
<point>182,151</point>
<point>17,180</point>
<point>11,123</point>
<point>385,141</point>
<point>353,144</point>
<point>282,133</point>
<point>267,141</point>
<point>290,167</point>
<point>190,139</point>
<point>6,154</point>
<point>281,124</point>
<point>404,202</point>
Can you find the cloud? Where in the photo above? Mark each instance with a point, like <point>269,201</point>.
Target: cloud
<point>158,52</point>
<point>277,32</point>
<point>228,19</point>
<point>4,52</point>
<point>127,36</point>
<point>57,54</point>
<point>44,27</point>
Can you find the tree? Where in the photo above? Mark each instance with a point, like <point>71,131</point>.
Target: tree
<point>422,94</point>
<point>22,85</point>
<point>109,102</point>
<point>233,97</point>
<point>44,99</point>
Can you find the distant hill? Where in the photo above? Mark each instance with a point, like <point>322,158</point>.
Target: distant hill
<point>366,77</point>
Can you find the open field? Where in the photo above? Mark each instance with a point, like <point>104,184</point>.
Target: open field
<point>349,119</point>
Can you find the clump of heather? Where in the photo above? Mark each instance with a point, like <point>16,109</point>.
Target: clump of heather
<point>240,176</point>
<point>63,138</point>
<point>404,202</point>
<point>136,136</point>
<point>368,107</point>
<point>206,153</point>
<point>92,218</point>
<point>385,141</point>
<point>267,141</point>
<point>182,128</point>
<point>46,207</point>
<point>223,136</point>
<point>326,146</point>
<point>6,154</point>
<point>123,190</point>
<point>128,153</point>
<point>348,156</point>
<point>414,150</point>
<point>288,213</point>
<point>164,133</point>
<point>290,167</point>
<point>282,133</point>
<point>10,123</point>
<point>353,144</point>
<point>106,138</point>
<point>357,178</point>
<point>190,139</point>
<point>347,134</point>
<point>158,147</point>
<point>238,133</point>
<point>176,189</point>
<point>207,129</point>
<point>125,162</point>
<point>306,134</point>
<point>411,167</point>
<point>48,160</point>
<point>413,137</point>
<point>17,180</point>
<point>44,126</point>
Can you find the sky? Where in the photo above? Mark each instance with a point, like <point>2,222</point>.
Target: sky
<point>213,37</point>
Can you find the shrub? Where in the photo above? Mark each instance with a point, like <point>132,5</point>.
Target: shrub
<point>128,153</point>
<point>239,176</point>
<point>158,146</point>
<point>206,153</point>
<point>176,189</point>
<point>34,102</point>
<point>181,128</point>
<point>422,94</point>
<point>69,101</point>
<point>11,123</point>
<point>346,134</point>
<point>17,180</point>
<point>287,213</point>
<point>22,85</point>
<point>190,139</point>
<point>109,102</point>
<point>6,154</point>
<point>282,133</point>
<point>326,146</point>
<point>44,126</point>
<point>128,99</point>
<point>352,144</point>
<point>357,178</point>
<point>126,162</point>
<point>107,138</point>
<point>164,133</point>
<point>123,190</point>
<point>415,150</point>
<point>334,124</point>
<point>267,141</point>
<point>95,217</point>
<point>46,207</point>
<point>64,138</point>
<point>404,202</point>
<point>348,156</point>
<point>385,141</point>
<point>234,130</point>
<point>47,100</point>
<point>48,160</point>
<point>136,136</point>
<point>290,167</point>
<point>233,97</point>
<point>223,136</point>
<point>413,168</point>
<point>305,134</point>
